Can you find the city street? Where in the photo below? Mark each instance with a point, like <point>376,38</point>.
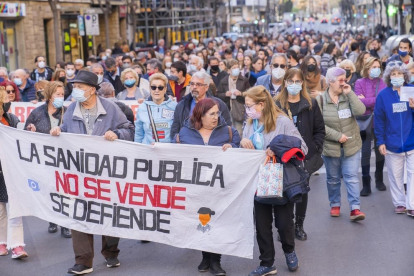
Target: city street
<point>381,246</point>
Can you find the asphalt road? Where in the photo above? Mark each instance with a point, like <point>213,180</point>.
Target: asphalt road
<point>381,245</point>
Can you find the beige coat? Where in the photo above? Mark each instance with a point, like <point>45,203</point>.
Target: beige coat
<point>349,106</point>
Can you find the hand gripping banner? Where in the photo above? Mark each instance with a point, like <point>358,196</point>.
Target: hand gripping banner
<point>186,196</point>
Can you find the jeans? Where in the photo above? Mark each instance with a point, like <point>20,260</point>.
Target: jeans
<point>11,230</point>
<point>348,167</point>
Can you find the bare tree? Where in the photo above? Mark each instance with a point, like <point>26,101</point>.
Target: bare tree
<point>400,15</point>
<point>380,3</point>
<point>132,4</point>
<point>56,29</point>
<point>386,5</point>
<point>412,16</point>
<point>106,12</point>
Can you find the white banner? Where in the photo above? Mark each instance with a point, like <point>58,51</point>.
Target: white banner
<point>23,109</point>
<point>186,196</point>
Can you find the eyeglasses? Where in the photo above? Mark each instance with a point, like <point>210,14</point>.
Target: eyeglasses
<point>249,106</point>
<point>342,81</point>
<point>214,114</point>
<point>10,91</point>
<point>297,82</point>
<point>160,88</point>
<point>277,65</point>
<point>197,84</point>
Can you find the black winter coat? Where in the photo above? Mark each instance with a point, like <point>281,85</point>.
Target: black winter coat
<point>310,125</point>
<point>13,121</point>
<point>182,112</point>
<point>39,117</point>
<point>242,85</point>
<point>117,83</point>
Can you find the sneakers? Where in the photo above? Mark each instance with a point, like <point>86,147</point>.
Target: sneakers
<point>335,211</point>
<point>79,269</point>
<point>52,228</point>
<point>410,213</point>
<point>65,232</point>
<point>292,261</point>
<point>204,266</point>
<point>19,253</point>
<point>3,250</point>
<point>400,210</point>
<point>112,262</point>
<point>356,215</point>
<point>263,270</point>
<point>216,270</point>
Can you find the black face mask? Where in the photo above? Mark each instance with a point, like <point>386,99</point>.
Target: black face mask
<point>62,79</point>
<point>6,107</point>
<point>214,68</point>
<point>348,73</point>
<point>40,96</point>
<point>311,68</point>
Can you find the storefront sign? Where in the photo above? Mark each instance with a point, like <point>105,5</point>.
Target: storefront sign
<point>92,24</point>
<point>12,10</point>
<point>81,25</point>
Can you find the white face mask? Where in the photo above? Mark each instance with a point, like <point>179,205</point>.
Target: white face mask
<point>100,78</point>
<point>278,73</point>
<point>42,64</point>
<point>168,64</point>
<point>70,72</point>
<point>176,59</point>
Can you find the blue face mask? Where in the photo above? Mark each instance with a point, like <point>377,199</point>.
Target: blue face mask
<point>402,53</point>
<point>18,82</point>
<point>129,83</point>
<point>375,73</point>
<point>294,89</point>
<point>58,102</point>
<point>79,95</point>
<point>235,72</point>
<point>397,82</point>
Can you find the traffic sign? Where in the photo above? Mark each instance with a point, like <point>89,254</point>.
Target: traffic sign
<point>92,24</point>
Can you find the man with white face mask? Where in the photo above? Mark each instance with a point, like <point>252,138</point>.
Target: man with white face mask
<point>42,72</point>
<point>98,70</point>
<point>273,81</point>
<point>93,115</point>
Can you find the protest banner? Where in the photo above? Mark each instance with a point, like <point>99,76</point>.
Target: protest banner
<point>186,196</point>
<point>23,109</point>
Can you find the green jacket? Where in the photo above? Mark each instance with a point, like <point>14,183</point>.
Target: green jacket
<point>349,106</point>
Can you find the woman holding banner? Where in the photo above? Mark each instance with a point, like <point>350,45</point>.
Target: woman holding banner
<point>155,115</point>
<point>44,118</point>
<point>11,230</point>
<point>206,127</point>
<point>266,121</point>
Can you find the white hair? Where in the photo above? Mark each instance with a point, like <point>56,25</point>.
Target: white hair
<point>200,61</point>
<point>333,73</point>
<point>295,48</point>
<point>282,55</point>
<point>79,61</point>
<point>4,70</point>
<point>204,76</point>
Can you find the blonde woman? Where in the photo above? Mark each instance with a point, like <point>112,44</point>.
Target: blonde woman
<point>295,101</point>
<point>11,230</point>
<point>266,121</point>
<point>132,92</point>
<point>351,74</point>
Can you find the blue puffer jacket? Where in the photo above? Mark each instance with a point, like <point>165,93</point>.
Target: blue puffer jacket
<point>163,115</point>
<point>393,121</point>
<point>220,135</point>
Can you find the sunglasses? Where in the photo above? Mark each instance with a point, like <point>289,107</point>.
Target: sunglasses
<point>277,65</point>
<point>160,88</point>
<point>10,91</point>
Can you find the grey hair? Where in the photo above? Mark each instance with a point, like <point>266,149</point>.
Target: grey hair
<point>396,66</point>
<point>107,90</point>
<point>201,75</point>
<point>333,73</point>
<point>96,65</point>
<point>4,70</point>
<point>348,62</point>
<point>280,55</point>
<point>110,62</point>
<point>200,60</point>
<point>295,48</point>
<point>79,61</point>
